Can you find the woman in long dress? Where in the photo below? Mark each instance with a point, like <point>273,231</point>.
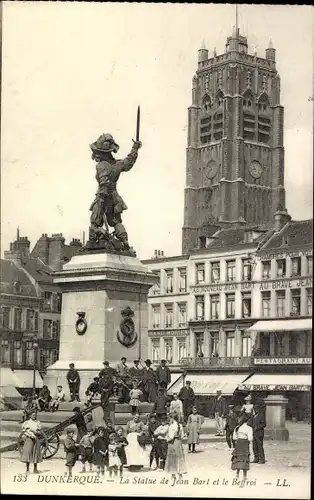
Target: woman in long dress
<point>243,436</point>
<point>31,432</point>
<point>135,454</point>
<point>194,424</point>
<point>175,461</point>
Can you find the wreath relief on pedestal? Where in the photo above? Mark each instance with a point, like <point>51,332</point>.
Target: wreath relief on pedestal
<point>81,323</point>
<point>127,335</point>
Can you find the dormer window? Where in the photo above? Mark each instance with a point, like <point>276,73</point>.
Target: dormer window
<point>17,287</point>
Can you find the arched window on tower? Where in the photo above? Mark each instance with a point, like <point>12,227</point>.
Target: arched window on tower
<point>249,122</point>
<point>206,120</point>
<point>264,123</point>
<point>218,116</point>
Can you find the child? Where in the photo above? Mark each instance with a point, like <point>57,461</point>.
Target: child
<point>231,423</point>
<point>135,395</point>
<point>114,460</point>
<point>162,445</point>
<point>70,448</point>
<point>100,457</point>
<point>110,429</point>
<point>248,405</point>
<point>122,443</point>
<point>193,428</point>
<point>91,391</point>
<point>90,424</point>
<point>152,426</point>
<point>86,446</point>
<point>44,398</point>
<point>243,436</point>
<point>59,398</point>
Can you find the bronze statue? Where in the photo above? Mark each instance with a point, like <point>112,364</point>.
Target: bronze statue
<point>108,204</point>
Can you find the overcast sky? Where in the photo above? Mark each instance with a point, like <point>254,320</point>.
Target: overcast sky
<point>74,70</point>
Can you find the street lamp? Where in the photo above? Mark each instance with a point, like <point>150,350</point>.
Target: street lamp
<point>35,347</point>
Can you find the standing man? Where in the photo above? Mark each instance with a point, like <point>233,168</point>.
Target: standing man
<point>258,435</point>
<point>187,396</point>
<point>135,371</point>
<point>220,410</point>
<point>73,379</point>
<point>163,376</point>
<point>106,389</point>
<point>107,370</point>
<point>123,374</point>
<point>149,383</point>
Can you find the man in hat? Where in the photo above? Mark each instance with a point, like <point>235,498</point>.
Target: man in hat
<point>163,375</point>
<point>136,371</point>
<point>220,408</point>
<point>107,370</point>
<point>148,383</point>
<point>258,424</point>
<point>108,204</point>
<point>231,423</point>
<point>187,396</point>
<point>73,379</point>
<point>123,375</point>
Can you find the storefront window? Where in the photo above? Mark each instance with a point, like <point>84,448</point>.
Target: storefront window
<point>266,304</point>
<point>281,302</point>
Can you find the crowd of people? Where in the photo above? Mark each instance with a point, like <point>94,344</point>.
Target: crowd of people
<point>156,440</point>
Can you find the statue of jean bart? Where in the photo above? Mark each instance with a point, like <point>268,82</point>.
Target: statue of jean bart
<point>108,205</point>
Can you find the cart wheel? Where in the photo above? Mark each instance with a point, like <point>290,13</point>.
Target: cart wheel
<point>50,446</point>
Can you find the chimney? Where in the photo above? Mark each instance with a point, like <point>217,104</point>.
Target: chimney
<point>281,217</point>
<point>19,249</point>
<point>56,251</point>
<point>41,248</point>
<point>76,243</point>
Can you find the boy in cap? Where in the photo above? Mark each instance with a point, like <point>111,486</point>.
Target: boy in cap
<point>231,423</point>
<point>71,450</point>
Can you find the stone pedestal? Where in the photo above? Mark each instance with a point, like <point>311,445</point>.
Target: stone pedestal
<point>276,418</point>
<point>101,286</point>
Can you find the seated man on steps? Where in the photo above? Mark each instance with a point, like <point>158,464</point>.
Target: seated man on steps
<point>59,398</point>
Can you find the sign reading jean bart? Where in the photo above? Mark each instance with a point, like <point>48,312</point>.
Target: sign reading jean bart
<point>274,387</point>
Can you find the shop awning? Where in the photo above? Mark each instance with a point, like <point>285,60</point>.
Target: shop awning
<point>7,378</point>
<point>277,382</point>
<point>207,385</point>
<point>281,325</point>
<point>176,377</point>
<point>24,379</point>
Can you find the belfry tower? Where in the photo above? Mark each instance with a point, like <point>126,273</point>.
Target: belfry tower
<point>235,154</point>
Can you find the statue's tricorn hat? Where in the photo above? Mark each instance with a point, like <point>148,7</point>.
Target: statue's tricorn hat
<point>104,144</point>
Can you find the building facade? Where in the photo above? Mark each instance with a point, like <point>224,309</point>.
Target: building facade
<point>31,302</point>
<point>235,155</point>
<point>248,303</point>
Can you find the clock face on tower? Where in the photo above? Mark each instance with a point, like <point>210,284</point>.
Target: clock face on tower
<point>255,169</point>
<point>211,169</point>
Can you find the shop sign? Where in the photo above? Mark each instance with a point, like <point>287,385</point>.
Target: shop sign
<point>287,283</point>
<point>284,255</point>
<point>282,361</point>
<point>270,387</point>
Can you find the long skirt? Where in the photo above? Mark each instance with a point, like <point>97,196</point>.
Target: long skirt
<point>241,455</point>
<point>175,461</point>
<point>135,454</point>
<point>31,451</point>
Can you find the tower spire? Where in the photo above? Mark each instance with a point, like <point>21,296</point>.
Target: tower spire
<point>18,233</point>
<point>236,19</point>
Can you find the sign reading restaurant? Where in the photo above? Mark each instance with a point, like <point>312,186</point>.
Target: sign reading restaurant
<point>282,361</point>
<point>249,285</point>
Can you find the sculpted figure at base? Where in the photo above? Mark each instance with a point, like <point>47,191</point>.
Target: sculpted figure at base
<point>108,204</point>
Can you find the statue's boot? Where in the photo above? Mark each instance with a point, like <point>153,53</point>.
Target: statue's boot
<point>121,234</point>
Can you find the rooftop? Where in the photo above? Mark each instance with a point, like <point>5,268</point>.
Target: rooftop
<point>294,234</point>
